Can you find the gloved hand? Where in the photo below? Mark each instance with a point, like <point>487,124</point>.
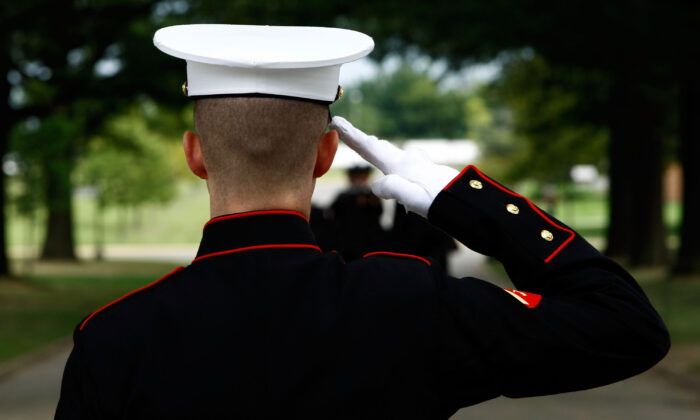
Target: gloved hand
<point>409,176</point>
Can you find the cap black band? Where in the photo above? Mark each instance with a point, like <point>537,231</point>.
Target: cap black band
<point>260,95</point>
<point>338,95</point>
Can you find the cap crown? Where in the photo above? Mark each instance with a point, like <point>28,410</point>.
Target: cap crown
<point>292,61</point>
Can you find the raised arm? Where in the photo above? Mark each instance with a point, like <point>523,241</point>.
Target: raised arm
<point>577,319</point>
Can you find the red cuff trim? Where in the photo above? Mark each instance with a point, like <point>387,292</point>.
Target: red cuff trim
<point>254,247</point>
<point>129,294</point>
<point>538,211</point>
<point>396,254</point>
<point>254,213</point>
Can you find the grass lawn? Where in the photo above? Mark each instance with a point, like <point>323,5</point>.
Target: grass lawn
<point>48,305</point>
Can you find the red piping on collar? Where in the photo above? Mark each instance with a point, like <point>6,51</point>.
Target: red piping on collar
<point>129,294</point>
<point>396,254</point>
<point>538,211</point>
<point>254,213</point>
<point>254,247</point>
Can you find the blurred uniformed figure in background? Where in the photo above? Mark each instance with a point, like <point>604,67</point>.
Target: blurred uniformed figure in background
<point>263,324</point>
<point>355,215</point>
<point>413,234</point>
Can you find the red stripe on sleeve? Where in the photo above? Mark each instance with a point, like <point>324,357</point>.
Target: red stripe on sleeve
<point>531,300</point>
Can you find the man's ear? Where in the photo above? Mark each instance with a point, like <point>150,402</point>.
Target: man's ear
<point>327,146</point>
<point>193,153</point>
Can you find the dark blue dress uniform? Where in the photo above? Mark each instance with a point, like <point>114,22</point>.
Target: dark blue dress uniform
<point>264,325</point>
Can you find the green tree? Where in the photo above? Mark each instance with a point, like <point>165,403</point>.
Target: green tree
<point>630,42</point>
<point>490,124</point>
<point>405,103</point>
<point>72,64</point>
<point>687,69</point>
<point>128,165</point>
<point>558,113</point>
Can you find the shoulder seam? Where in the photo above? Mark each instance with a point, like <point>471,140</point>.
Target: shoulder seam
<point>397,254</point>
<point>129,294</point>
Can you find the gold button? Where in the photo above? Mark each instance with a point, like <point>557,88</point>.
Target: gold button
<point>340,93</point>
<point>547,235</point>
<point>477,185</point>
<point>512,208</point>
<point>184,88</point>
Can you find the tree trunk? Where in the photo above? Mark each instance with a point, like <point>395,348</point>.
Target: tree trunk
<point>4,263</point>
<point>636,235</point>
<point>99,228</point>
<point>59,242</point>
<point>5,126</point>
<point>688,261</point>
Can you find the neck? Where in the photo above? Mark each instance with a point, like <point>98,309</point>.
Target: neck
<point>221,204</point>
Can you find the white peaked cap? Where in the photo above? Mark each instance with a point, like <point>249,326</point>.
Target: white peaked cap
<point>294,61</point>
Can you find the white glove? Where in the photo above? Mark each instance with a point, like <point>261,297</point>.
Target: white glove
<point>409,177</point>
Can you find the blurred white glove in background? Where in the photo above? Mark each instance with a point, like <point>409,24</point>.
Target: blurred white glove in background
<point>409,176</point>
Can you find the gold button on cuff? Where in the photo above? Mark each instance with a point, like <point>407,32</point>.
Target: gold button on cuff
<point>477,185</point>
<point>547,235</point>
<point>512,208</point>
<point>184,88</point>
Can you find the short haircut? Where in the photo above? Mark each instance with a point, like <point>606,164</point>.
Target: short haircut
<point>261,144</point>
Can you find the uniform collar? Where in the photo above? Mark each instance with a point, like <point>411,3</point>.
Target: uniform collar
<point>255,229</point>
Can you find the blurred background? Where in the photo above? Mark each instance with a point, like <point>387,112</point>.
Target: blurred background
<point>591,108</point>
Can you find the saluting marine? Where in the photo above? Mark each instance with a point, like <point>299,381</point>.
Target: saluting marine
<point>262,324</point>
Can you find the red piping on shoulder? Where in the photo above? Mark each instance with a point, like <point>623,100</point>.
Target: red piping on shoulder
<point>129,294</point>
<point>254,213</point>
<point>338,254</point>
<point>538,211</point>
<point>396,254</point>
<point>250,248</point>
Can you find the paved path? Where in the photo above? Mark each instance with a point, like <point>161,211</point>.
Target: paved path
<point>645,397</point>
<point>32,393</point>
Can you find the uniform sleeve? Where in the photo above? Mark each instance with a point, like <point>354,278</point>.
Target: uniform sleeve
<point>576,320</point>
<point>75,399</point>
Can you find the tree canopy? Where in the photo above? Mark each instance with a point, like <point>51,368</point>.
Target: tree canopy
<point>615,73</point>
<point>404,103</point>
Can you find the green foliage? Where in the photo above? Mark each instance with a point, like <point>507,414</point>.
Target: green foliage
<point>559,113</point>
<point>39,148</point>
<point>676,302</point>
<point>490,124</point>
<point>128,163</point>
<point>406,103</point>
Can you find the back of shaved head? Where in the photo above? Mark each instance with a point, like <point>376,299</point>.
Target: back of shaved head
<point>258,145</point>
